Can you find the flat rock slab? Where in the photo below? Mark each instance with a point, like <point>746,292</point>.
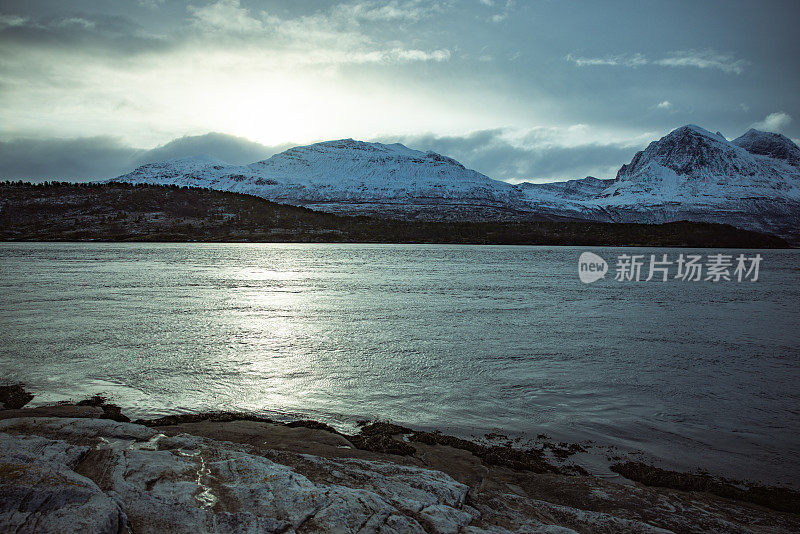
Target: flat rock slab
<point>92,475</point>
<point>65,410</point>
<point>96,475</point>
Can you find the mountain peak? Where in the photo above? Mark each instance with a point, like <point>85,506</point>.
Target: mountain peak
<point>693,129</point>
<point>773,145</point>
<point>343,147</point>
<point>351,143</point>
<point>685,151</point>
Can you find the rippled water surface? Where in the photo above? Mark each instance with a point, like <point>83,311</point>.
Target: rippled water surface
<point>467,339</point>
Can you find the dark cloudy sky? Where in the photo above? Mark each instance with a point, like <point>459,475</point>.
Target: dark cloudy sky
<point>517,89</point>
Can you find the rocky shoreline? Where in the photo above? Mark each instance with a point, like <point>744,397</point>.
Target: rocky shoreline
<point>85,467</point>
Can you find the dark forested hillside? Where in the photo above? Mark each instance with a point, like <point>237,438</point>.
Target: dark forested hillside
<point>124,212</point>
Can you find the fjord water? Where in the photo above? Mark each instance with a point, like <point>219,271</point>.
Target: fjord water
<point>467,339</point>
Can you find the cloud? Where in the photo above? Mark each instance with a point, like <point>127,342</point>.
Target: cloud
<point>330,37</point>
<point>224,65</point>
<point>346,33</point>
<point>276,71</point>
<point>703,59</point>
<point>103,34</point>
<point>11,21</point>
<point>700,59</point>
<point>391,10</point>
<point>774,122</point>
<point>227,16</point>
<point>64,159</point>
<point>96,158</point>
<point>623,60</point>
<point>503,13</point>
<point>540,154</point>
<point>229,148</point>
<point>666,104</point>
<point>75,21</point>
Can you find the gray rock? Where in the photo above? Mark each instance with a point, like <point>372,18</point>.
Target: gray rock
<point>93,475</point>
<point>39,492</point>
<point>98,475</point>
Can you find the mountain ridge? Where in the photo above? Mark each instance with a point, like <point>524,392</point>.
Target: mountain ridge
<point>770,144</point>
<point>57,211</point>
<point>690,173</point>
<point>347,176</point>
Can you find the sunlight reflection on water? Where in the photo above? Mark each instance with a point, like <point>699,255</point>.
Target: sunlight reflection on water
<point>466,339</point>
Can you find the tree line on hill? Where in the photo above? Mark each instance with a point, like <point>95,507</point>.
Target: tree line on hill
<point>64,211</point>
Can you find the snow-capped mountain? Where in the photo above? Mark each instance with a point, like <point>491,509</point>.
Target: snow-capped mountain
<point>692,174</point>
<point>752,182</point>
<point>349,176</point>
<point>695,175</point>
<point>693,166</point>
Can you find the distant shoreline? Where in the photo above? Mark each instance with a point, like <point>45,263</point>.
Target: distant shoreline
<point>469,244</point>
<point>61,212</point>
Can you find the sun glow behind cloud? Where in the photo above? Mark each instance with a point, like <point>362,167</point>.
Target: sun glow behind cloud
<point>246,73</point>
<point>472,79</point>
<point>274,103</point>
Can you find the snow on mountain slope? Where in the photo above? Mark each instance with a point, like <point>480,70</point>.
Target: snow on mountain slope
<point>690,174</point>
<point>696,175</point>
<point>693,166</point>
<point>769,144</point>
<point>346,175</point>
<point>568,200</point>
<point>583,189</point>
